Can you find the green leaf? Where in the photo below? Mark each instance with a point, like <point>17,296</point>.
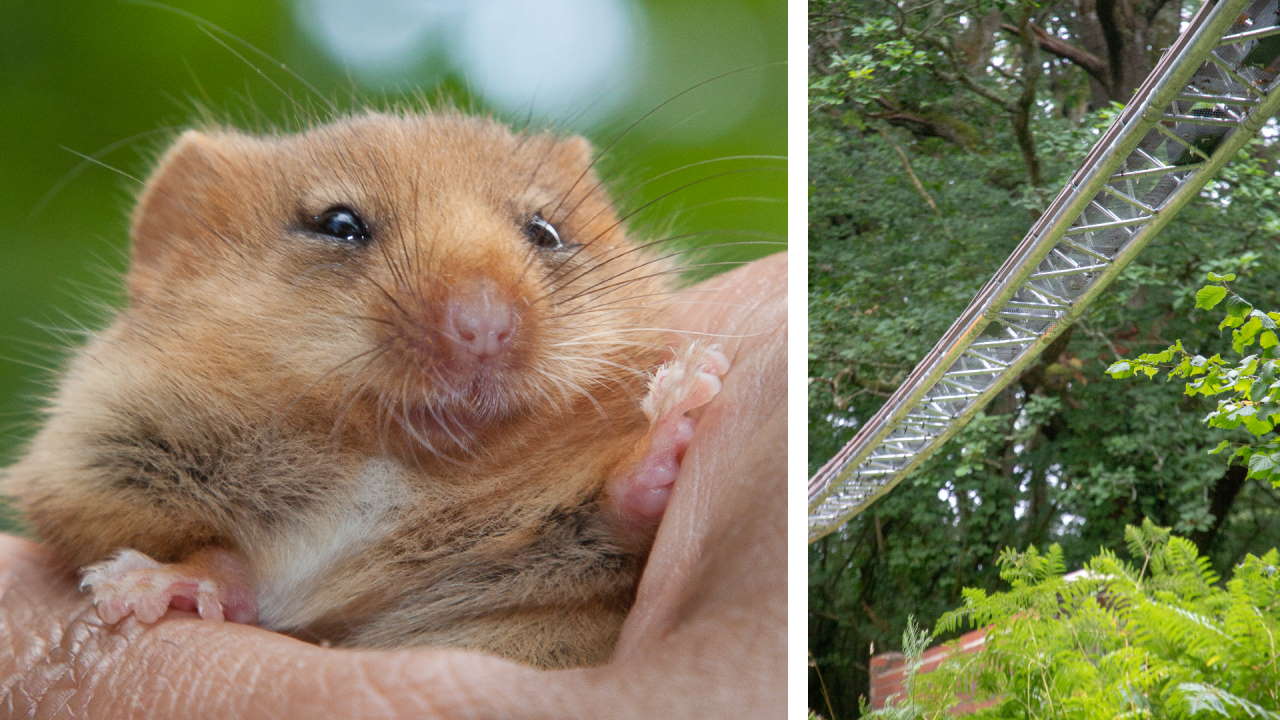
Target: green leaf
<point>1248,365</point>
<point>1243,337</point>
<point>1261,463</point>
<point>1237,310</point>
<point>1199,365</point>
<point>1182,369</point>
<point>1258,391</point>
<point>1215,277</point>
<point>1121,369</point>
<point>1257,426</point>
<point>1268,339</point>
<point>1209,296</point>
<point>1201,698</point>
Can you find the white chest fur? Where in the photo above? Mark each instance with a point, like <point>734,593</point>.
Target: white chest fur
<point>292,564</point>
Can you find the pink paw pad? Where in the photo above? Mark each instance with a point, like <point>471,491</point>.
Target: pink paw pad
<point>647,489</point>
<point>131,583</point>
<point>686,383</point>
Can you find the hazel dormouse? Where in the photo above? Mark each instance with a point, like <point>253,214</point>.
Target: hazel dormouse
<point>399,379</point>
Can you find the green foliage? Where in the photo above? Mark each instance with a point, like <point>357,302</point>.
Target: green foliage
<point>1064,456</point>
<point>1247,386</point>
<point>1155,636</point>
<point>919,189</point>
<point>903,705</point>
<point>883,58</point>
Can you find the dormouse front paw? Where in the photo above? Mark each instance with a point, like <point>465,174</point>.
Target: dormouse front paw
<point>688,382</point>
<point>212,582</point>
<point>685,383</point>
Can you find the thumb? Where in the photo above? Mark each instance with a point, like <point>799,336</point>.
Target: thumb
<point>60,661</point>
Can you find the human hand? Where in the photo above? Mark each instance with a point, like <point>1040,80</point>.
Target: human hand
<point>706,638</point>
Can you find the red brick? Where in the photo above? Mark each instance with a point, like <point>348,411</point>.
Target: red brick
<point>888,670</point>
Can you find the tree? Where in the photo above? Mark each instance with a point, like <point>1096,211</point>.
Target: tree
<point>936,134</point>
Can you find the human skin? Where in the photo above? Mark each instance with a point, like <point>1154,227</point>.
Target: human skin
<point>706,637</point>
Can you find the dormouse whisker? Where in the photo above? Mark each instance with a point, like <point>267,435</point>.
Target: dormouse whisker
<point>625,192</point>
<point>645,116</point>
<point>609,363</point>
<point>662,196</point>
<point>207,24</point>
<point>79,167</point>
<point>601,286</point>
<point>679,251</point>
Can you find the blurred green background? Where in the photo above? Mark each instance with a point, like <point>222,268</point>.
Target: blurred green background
<point>117,80</point>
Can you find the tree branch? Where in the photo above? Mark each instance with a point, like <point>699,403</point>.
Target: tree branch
<point>1052,44</point>
<point>1152,9</point>
<point>911,173</point>
<point>1023,108</point>
<point>938,125</point>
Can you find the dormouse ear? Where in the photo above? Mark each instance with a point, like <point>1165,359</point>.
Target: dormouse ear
<point>172,211</point>
<point>572,154</point>
<point>571,158</point>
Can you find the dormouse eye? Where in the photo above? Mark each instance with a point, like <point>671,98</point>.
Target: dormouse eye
<point>342,223</point>
<point>542,233</point>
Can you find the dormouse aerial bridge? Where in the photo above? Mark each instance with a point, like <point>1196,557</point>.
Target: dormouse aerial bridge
<point>1211,92</point>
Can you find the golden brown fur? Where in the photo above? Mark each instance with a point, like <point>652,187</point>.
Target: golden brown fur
<point>274,392</point>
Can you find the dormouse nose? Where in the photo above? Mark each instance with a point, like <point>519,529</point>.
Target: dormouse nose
<point>480,320</point>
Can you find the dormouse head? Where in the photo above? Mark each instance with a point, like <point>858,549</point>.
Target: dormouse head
<point>436,272</point>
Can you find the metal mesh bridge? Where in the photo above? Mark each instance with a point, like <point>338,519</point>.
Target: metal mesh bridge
<point>1209,94</point>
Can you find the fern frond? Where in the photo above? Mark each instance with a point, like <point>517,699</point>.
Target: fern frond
<point>1201,698</point>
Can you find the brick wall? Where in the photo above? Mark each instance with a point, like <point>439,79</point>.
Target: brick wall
<point>888,670</point>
